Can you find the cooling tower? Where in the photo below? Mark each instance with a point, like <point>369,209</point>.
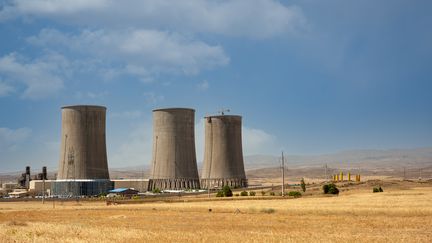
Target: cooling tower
<point>223,155</point>
<point>174,163</point>
<point>83,148</point>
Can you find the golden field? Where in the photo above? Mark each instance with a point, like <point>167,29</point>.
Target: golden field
<point>399,214</point>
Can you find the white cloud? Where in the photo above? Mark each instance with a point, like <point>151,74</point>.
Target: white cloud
<point>249,18</point>
<point>10,138</point>
<point>91,95</point>
<point>140,52</point>
<point>152,99</point>
<point>126,114</point>
<point>39,76</point>
<point>255,141</point>
<point>5,89</point>
<point>135,149</point>
<point>203,86</point>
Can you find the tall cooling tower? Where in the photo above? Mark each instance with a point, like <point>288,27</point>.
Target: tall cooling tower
<point>174,163</point>
<point>83,148</point>
<point>223,154</point>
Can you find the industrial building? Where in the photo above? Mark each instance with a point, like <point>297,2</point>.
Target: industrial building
<point>223,153</point>
<point>174,163</point>
<point>83,147</point>
<point>83,164</point>
<point>141,185</point>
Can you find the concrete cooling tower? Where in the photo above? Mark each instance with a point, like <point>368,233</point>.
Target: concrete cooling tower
<point>223,154</point>
<point>174,163</point>
<point>83,148</point>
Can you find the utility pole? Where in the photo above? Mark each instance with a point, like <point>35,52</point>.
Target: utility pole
<point>283,175</point>
<point>43,189</point>
<point>325,167</point>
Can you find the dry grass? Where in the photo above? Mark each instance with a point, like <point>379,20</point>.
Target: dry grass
<point>393,216</point>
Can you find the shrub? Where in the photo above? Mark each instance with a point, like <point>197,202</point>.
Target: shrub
<point>243,193</point>
<point>227,191</point>
<point>156,190</point>
<point>330,189</point>
<point>268,210</point>
<point>272,193</point>
<point>325,188</point>
<point>294,194</point>
<point>220,193</point>
<point>303,185</point>
<point>236,194</point>
<point>251,193</point>
<point>377,189</point>
<point>135,197</point>
<point>262,193</point>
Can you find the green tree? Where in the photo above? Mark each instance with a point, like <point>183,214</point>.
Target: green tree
<point>303,185</point>
<point>227,191</point>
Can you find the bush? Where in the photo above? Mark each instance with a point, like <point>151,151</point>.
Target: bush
<point>262,193</point>
<point>294,194</point>
<point>243,193</point>
<point>227,191</point>
<point>330,189</point>
<point>377,189</point>
<point>272,193</point>
<point>268,210</point>
<point>251,193</point>
<point>220,193</point>
<point>236,194</point>
<point>136,197</point>
<point>156,190</point>
<point>303,185</point>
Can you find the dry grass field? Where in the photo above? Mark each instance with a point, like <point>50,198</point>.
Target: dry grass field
<point>398,214</point>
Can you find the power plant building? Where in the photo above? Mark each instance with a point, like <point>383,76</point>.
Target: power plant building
<point>83,165</point>
<point>223,154</point>
<point>174,163</point>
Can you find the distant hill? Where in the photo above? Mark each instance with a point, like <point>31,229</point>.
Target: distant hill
<point>366,159</point>
<point>373,161</point>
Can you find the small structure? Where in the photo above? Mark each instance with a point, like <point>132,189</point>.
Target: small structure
<point>124,192</point>
<point>142,185</point>
<point>19,193</point>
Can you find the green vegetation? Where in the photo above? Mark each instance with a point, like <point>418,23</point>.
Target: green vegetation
<point>227,191</point>
<point>377,189</point>
<point>219,194</point>
<point>263,193</point>
<point>251,193</point>
<point>243,193</point>
<point>303,185</point>
<point>268,210</point>
<point>294,194</point>
<point>330,189</point>
<point>156,190</point>
<point>272,193</point>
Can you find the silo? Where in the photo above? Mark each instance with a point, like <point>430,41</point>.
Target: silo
<point>83,147</point>
<point>223,153</point>
<point>174,163</point>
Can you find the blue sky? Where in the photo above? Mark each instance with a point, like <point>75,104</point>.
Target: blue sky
<point>308,77</point>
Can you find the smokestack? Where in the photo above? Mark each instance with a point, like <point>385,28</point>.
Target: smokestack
<point>174,163</point>
<point>223,153</point>
<point>44,173</point>
<point>83,147</point>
